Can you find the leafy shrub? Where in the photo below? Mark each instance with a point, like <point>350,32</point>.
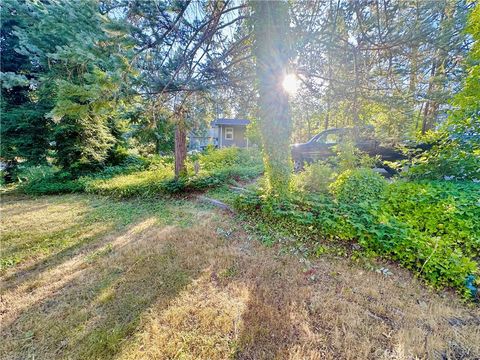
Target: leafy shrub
<point>139,176</point>
<point>349,157</point>
<point>441,255</point>
<point>315,178</point>
<point>357,186</point>
<point>117,155</point>
<point>440,209</point>
<point>130,165</point>
<point>140,183</point>
<point>39,180</point>
<point>447,162</point>
<point>214,159</point>
<point>220,166</point>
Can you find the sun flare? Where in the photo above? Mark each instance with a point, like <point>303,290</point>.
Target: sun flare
<point>290,84</point>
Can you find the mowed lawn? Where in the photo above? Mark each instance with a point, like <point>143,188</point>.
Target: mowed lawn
<point>88,277</point>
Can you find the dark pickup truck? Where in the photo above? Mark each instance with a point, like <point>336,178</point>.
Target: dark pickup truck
<point>321,146</point>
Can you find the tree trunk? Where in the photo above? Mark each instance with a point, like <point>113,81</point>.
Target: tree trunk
<point>355,91</point>
<point>426,111</point>
<point>438,72</point>
<point>272,52</point>
<point>180,150</point>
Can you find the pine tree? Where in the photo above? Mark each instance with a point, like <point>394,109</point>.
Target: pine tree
<point>78,69</point>
<point>24,130</point>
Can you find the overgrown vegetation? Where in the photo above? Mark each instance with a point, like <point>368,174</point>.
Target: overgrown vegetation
<point>105,98</point>
<point>456,154</point>
<point>428,227</point>
<point>147,176</point>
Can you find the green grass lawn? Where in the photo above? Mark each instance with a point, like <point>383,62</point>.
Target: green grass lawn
<point>86,277</point>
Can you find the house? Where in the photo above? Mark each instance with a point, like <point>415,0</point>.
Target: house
<point>231,132</point>
<point>222,133</point>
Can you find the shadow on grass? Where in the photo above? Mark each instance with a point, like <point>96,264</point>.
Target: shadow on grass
<point>99,306</point>
<point>36,269</point>
<point>88,233</point>
<point>269,327</point>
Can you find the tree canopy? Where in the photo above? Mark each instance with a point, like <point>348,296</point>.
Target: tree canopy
<point>85,84</point>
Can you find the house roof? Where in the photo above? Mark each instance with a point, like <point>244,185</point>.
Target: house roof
<point>238,122</point>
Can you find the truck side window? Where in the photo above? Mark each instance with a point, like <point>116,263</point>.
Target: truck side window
<point>328,138</point>
<point>331,138</point>
<point>367,134</point>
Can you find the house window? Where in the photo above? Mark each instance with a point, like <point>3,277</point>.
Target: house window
<point>229,133</point>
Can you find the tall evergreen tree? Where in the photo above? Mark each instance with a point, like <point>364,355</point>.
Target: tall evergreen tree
<point>24,130</point>
<point>394,64</point>
<point>78,69</point>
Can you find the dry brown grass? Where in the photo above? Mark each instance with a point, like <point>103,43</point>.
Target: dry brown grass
<point>204,289</point>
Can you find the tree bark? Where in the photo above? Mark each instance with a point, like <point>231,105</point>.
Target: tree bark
<point>180,150</point>
<point>272,52</point>
<point>426,111</point>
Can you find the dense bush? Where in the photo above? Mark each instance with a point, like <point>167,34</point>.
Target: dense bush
<point>356,186</point>
<point>318,177</point>
<point>395,226</point>
<point>448,210</point>
<point>216,168</point>
<point>214,159</point>
<point>47,180</point>
<point>456,154</point>
<point>349,157</point>
<point>447,160</point>
<point>140,183</point>
<point>315,178</point>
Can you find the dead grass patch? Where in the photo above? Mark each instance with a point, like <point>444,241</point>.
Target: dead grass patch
<point>179,281</point>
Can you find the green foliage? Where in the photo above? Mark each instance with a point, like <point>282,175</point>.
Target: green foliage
<point>47,180</point>
<point>358,186</point>
<point>448,210</point>
<point>315,178</point>
<point>349,157</point>
<point>153,131</point>
<point>410,225</point>
<point>145,177</point>
<point>392,123</point>
<point>217,167</point>
<point>77,68</point>
<point>213,159</point>
<point>467,106</point>
<point>456,154</point>
<point>395,99</point>
<point>142,183</point>
<point>24,129</point>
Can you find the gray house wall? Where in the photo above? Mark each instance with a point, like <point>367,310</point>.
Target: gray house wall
<point>239,138</point>
<point>215,135</point>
